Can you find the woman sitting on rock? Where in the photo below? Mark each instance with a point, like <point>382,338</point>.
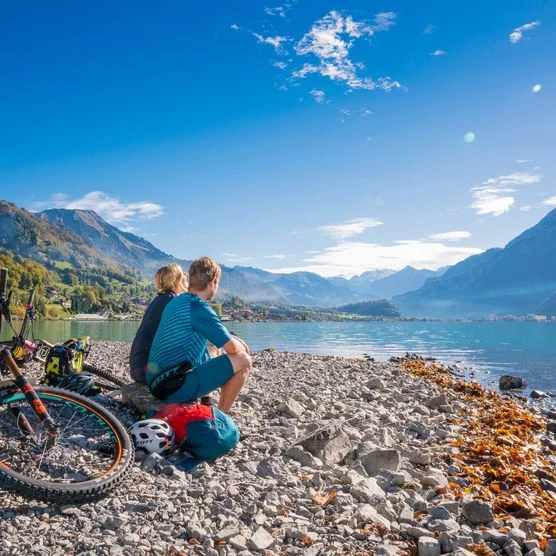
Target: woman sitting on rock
<point>170,280</point>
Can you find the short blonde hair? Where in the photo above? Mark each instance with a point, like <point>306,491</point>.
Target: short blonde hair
<point>202,272</point>
<point>166,277</point>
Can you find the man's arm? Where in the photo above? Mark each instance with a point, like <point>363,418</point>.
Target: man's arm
<point>235,345</point>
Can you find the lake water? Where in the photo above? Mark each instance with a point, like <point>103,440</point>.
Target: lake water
<point>491,349</point>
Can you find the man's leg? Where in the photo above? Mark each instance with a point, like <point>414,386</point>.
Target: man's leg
<point>241,362</point>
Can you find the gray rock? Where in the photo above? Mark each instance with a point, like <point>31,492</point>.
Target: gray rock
<point>151,461</point>
<point>508,382</point>
<point>376,460</point>
<point>329,443</point>
<point>511,548</point>
<point>534,552</point>
<point>550,549</point>
<point>305,458</point>
<point>428,546</point>
<point>368,491</point>
<point>436,401</point>
<point>477,513</point>
<point>261,540</point>
<point>439,512</point>
<point>291,408</point>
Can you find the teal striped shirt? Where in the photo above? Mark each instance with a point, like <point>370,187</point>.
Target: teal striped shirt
<point>186,326</point>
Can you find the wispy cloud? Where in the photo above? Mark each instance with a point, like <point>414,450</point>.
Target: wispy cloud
<point>551,202</point>
<point>235,27</point>
<point>519,178</point>
<point>319,96</point>
<point>517,34</point>
<point>429,29</point>
<point>450,236</point>
<point>278,257</point>
<point>234,258</point>
<point>493,201</point>
<point>277,11</point>
<point>523,161</point>
<point>525,208</point>
<point>495,197</point>
<point>111,209</point>
<point>438,53</point>
<point>275,42</point>
<point>281,65</point>
<point>350,228</point>
<point>330,40</point>
<point>351,258</point>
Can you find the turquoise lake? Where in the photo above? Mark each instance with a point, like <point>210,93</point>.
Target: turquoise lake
<point>490,349</point>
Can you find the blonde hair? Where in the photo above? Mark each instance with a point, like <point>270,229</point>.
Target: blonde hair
<point>166,277</point>
<point>202,272</point>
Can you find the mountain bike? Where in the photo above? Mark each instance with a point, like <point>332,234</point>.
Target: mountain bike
<point>25,346</point>
<point>56,445</point>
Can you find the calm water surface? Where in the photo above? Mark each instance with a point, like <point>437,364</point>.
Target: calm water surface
<point>489,348</point>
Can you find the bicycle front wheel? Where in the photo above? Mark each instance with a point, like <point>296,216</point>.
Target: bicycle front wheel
<point>92,454</point>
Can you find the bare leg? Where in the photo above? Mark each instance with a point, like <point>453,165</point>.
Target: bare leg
<point>241,362</point>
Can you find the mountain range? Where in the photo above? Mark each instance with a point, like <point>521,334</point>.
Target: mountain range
<point>517,279</point>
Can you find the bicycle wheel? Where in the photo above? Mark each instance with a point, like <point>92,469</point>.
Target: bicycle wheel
<point>91,456</point>
<point>106,375</point>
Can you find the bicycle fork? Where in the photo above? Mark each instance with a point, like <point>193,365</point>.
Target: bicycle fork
<point>34,401</point>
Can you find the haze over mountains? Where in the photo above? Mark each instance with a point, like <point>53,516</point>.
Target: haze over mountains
<point>518,279</point>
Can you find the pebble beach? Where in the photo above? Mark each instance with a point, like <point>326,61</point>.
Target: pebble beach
<point>339,456</point>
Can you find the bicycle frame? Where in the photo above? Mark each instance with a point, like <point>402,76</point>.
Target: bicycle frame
<point>8,361</point>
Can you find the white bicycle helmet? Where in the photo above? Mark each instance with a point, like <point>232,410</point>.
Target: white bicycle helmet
<point>152,435</point>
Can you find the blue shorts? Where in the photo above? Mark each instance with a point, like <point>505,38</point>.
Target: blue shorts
<point>204,379</point>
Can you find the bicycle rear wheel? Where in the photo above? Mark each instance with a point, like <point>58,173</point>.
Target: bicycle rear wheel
<point>105,375</point>
<point>91,456</point>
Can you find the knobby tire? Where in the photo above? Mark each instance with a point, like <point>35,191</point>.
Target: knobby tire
<point>51,479</point>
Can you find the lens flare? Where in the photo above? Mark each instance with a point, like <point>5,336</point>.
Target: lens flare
<point>469,137</point>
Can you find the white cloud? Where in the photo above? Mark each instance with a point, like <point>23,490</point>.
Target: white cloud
<point>277,11</point>
<point>281,65</point>
<point>330,41</point>
<point>525,208</point>
<point>523,161</point>
<point>277,257</point>
<point>492,200</point>
<point>276,41</point>
<point>364,112</point>
<point>234,258</point>
<point>551,202</point>
<point>349,228</point>
<point>517,34</point>
<point>494,196</point>
<point>450,236</point>
<point>319,96</point>
<point>351,258</point>
<point>518,178</point>
<point>438,53</point>
<point>235,27</point>
<point>429,29</point>
<point>345,112</point>
<point>109,208</point>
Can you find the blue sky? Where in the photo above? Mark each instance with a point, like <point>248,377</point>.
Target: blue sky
<point>335,137</point>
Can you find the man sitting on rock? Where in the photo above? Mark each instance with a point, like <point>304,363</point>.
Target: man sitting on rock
<point>180,368</point>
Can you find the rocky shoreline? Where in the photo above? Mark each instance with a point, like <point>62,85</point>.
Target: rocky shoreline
<point>340,457</point>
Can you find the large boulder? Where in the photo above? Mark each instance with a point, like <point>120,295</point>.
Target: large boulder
<point>509,382</point>
<point>140,397</point>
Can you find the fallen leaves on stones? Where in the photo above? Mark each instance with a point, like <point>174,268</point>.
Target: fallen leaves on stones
<point>324,499</point>
<point>497,448</point>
